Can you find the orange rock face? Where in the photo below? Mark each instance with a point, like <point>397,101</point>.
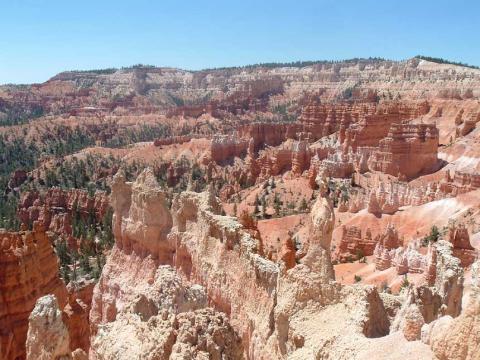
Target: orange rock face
<point>353,245</point>
<point>460,239</point>
<point>320,120</point>
<point>55,209</point>
<point>250,138</point>
<point>76,314</point>
<point>462,182</point>
<point>408,150</point>
<point>373,122</point>
<point>29,270</point>
<point>287,253</point>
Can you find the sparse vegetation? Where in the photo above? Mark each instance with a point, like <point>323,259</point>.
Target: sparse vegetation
<point>300,64</point>
<point>432,237</point>
<point>405,283</point>
<point>444,61</point>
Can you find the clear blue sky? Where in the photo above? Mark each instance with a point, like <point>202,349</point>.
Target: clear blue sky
<point>40,38</point>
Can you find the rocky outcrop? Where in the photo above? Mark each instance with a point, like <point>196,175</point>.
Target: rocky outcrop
<point>421,305</point>
<point>275,162</point>
<point>449,278</point>
<point>56,208</point>
<point>440,268</point>
<point>249,139</point>
<point>267,134</point>
<point>300,157</point>
<point>353,245</point>
<point>188,335</point>
<point>338,165</point>
<point>369,129</point>
<point>251,164</point>
<point>226,147</point>
<point>408,150</point>
<point>460,239</point>
<point>461,182</point>
<point>48,336</point>
<point>287,253</point>
<point>76,313</point>
<point>29,270</point>
<point>381,196</point>
<point>139,210</point>
<point>205,243</point>
<point>404,259</point>
<point>319,120</point>
<point>424,304</point>
<point>459,338</point>
<point>141,220</point>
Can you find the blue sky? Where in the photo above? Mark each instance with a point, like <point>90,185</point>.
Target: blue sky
<point>41,38</point>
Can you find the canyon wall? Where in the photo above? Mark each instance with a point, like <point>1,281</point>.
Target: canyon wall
<point>407,151</point>
<point>56,208</point>
<point>28,270</point>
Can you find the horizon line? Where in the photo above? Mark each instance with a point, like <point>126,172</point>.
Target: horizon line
<point>296,63</point>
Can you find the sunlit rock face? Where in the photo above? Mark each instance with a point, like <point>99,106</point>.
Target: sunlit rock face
<point>48,336</point>
<point>457,338</point>
<point>408,150</point>
<point>29,270</point>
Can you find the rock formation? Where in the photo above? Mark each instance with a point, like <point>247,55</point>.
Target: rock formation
<point>353,245</point>
<point>424,305</point>
<point>461,182</point>
<point>76,314</point>
<point>48,336</point>
<point>225,147</point>
<point>449,278</point>
<point>458,236</point>
<point>405,260</point>
<point>287,253</point>
<point>459,338</point>
<point>408,150</point>
<point>188,335</point>
<point>57,208</point>
<point>300,158</point>
<point>421,305</point>
<point>29,269</point>
<point>319,120</point>
<point>440,268</point>
<point>381,196</point>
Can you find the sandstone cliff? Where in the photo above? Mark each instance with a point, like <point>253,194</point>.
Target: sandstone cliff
<point>28,270</point>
